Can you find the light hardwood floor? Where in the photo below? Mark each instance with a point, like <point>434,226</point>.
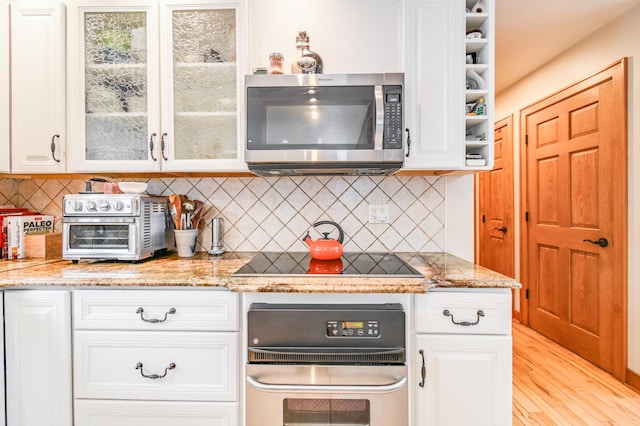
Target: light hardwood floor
<point>553,386</point>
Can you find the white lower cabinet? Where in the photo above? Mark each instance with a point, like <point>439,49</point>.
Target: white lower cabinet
<point>156,357</point>
<point>155,413</point>
<point>38,357</point>
<point>463,358</point>
<point>2,406</point>
<point>156,366</point>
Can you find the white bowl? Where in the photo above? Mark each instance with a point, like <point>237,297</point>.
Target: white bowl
<point>133,187</point>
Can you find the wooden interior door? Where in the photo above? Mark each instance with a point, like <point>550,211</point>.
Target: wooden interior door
<point>575,193</point>
<point>495,248</point>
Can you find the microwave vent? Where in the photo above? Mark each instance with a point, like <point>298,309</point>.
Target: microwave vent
<point>271,170</point>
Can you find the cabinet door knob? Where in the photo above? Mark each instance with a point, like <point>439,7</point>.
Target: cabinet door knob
<point>408,142</point>
<point>151,147</point>
<point>164,135</point>
<point>53,147</point>
<point>503,229</point>
<point>423,369</point>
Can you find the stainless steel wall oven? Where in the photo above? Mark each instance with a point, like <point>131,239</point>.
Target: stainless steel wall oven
<point>326,364</point>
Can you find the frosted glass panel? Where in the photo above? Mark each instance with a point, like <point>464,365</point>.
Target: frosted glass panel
<point>204,73</point>
<point>116,85</point>
<point>116,137</point>
<point>204,36</point>
<point>205,88</point>
<point>210,137</point>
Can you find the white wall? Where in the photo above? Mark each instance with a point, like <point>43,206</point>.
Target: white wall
<point>459,217</point>
<point>617,40</point>
<point>352,36</point>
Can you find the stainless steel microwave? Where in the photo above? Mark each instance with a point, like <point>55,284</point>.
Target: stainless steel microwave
<point>333,124</point>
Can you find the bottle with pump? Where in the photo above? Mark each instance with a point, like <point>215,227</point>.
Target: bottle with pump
<point>480,108</point>
<point>306,60</point>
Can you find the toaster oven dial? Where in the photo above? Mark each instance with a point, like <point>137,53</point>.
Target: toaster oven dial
<point>77,206</point>
<point>105,206</point>
<point>91,206</point>
<point>118,206</point>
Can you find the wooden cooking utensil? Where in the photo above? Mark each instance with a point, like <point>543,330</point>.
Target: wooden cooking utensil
<point>197,211</point>
<point>175,206</point>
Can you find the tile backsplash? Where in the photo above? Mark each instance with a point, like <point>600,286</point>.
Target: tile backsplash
<point>272,214</point>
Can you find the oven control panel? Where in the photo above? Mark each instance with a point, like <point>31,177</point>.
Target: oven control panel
<point>351,328</point>
<point>101,205</point>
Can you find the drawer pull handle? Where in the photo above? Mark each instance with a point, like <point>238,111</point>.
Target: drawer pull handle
<point>480,313</point>
<point>154,376</point>
<point>155,320</point>
<point>423,370</point>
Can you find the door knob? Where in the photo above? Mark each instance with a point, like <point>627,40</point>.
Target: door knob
<point>602,242</point>
<point>503,229</point>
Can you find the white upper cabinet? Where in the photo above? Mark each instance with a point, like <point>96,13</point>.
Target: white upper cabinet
<point>449,84</point>
<point>158,86</point>
<point>4,91</point>
<point>37,87</point>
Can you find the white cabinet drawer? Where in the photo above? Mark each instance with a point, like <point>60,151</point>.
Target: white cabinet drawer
<point>206,365</point>
<point>476,312</point>
<point>155,413</point>
<point>155,310</point>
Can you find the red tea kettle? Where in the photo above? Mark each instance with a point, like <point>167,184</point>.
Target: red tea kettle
<point>325,248</point>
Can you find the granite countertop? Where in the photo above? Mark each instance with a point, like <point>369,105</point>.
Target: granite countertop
<point>440,270</point>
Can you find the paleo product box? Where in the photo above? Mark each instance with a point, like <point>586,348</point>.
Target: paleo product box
<point>20,226</point>
<point>6,211</point>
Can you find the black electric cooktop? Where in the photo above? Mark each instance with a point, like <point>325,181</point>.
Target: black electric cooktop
<point>375,265</point>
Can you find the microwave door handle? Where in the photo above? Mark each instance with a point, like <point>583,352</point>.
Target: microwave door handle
<point>268,387</point>
<point>379,94</point>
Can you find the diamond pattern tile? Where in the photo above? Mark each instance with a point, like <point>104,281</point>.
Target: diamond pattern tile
<point>274,213</point>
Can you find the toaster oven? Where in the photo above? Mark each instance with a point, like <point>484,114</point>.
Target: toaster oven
<point>127,227</point>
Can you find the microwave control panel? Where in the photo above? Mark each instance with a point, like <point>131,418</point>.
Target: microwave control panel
<point>392,117</point>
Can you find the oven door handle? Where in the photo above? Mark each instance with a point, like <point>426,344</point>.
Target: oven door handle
<point>268,387</point>
<point>100,220</point>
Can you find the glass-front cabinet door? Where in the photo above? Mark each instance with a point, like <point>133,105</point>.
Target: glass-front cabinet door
<point>201,121</point>
<point>118,113</point>
<point>157,86</point>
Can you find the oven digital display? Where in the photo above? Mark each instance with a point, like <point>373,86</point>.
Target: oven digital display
<point>352,324</point>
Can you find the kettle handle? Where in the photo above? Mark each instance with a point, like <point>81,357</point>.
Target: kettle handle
<point>328,222</point>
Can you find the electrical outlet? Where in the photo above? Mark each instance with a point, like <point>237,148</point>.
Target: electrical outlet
<point>378,213</point>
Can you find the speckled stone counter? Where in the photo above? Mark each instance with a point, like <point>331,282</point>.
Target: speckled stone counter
<point>440,271</point>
